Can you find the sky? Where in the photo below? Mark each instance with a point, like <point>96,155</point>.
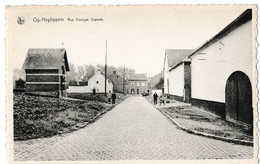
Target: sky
<point>136,36</point>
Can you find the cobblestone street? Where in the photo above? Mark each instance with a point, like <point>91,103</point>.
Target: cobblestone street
<point>134,129</point>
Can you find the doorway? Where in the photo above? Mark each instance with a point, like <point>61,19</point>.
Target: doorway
<point>239,98</point>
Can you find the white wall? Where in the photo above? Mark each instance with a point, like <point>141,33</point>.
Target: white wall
<point>211,70</point>
<point>158,91</point>
<point>166,75</point>
<point>92,82</point>
<point>176,80</point>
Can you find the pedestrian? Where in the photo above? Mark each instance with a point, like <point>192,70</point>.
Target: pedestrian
<point>161,98</point>
<point>155,96</point>
<point>113,98</point>
<point>94,91</point>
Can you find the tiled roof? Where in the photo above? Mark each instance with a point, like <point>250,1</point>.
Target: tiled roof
<point>45,59</point>
<point>175,56</point>
<point>137,77</point>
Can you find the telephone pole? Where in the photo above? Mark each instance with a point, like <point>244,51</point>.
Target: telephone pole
<point>106,71</point>
<point>124,81</point>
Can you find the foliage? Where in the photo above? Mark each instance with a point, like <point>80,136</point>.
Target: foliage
<point>20,83</point>
<point>159,85</point>
<point>85,72</point>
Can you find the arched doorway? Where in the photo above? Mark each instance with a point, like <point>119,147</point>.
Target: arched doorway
<point>239,98</point>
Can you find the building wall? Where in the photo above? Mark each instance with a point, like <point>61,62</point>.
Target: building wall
<point>44,82</point>
<point>134,85</point>
<point>166,76</point>
<point>98,82</point>
<point>212,66</point>
<point>176,80</point>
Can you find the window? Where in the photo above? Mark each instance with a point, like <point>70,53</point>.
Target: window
<point>132,84</point>
<point>97,82</point>
<point>143,84</point>
<point>137,84</point>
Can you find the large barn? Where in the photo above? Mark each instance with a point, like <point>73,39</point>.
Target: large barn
<point>46,71</point>
<point>222,72</point>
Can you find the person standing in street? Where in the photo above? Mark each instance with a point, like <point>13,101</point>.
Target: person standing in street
<point>155,96</point>
<point>113,98</point>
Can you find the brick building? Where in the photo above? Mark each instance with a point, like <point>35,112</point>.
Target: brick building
<point>46,72</point>
<point>137,84</point>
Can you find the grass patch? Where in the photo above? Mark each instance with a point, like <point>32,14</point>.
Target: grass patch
<point>36,116</point>
<point>201,121</point>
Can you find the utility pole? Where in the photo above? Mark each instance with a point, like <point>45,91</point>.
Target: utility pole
<point>124,81</point>
<point>106,71</point>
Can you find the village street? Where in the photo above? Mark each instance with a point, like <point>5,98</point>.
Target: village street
<point>132,130</point>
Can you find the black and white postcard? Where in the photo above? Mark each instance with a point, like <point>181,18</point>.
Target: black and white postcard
<point>132,84</point>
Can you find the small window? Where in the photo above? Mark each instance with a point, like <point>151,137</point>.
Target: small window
<point>137,84</point>
<point>133,84</point>
<point>143,84</point>
<point>97,82</point>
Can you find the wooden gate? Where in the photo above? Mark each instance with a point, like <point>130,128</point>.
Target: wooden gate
<point>239,98</point>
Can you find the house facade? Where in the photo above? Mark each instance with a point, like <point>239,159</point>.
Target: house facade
<point>177,82</point>
<point>97,83</point>
<point>46,72</point>
<point>222,76</point>
<point>137,84</point>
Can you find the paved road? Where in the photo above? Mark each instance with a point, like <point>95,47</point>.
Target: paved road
<point>132,130</point>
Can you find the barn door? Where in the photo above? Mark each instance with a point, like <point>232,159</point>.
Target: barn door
<point>239,98</point>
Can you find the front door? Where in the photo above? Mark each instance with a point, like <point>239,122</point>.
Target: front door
<point>239,98</point>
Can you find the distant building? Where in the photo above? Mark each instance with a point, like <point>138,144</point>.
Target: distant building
<point>118,82</point>
<point>46,71</point>
<point>97,83</point>
<point>177,83</point>
<point>137,84</point>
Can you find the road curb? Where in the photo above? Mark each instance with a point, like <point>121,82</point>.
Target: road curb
<point>237,141</point>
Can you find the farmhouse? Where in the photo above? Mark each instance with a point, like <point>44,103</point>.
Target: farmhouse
<point>222,72</point>
<point>177,82</point>
<point>97,83</point>
<point>137,84</point>
<point>46,71</point>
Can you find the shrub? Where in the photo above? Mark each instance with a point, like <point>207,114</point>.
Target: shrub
<point>20,84</point>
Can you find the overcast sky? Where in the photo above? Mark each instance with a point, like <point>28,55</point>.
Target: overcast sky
<point>137,36</point>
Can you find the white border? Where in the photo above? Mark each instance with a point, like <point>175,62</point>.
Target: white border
<point>81,2</point>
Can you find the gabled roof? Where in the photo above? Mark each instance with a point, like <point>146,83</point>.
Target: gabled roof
<point>101,73</point>
<point>137,77</point>
<point>46,59</point>
<point>240,20</point>
<point>175,56</point>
